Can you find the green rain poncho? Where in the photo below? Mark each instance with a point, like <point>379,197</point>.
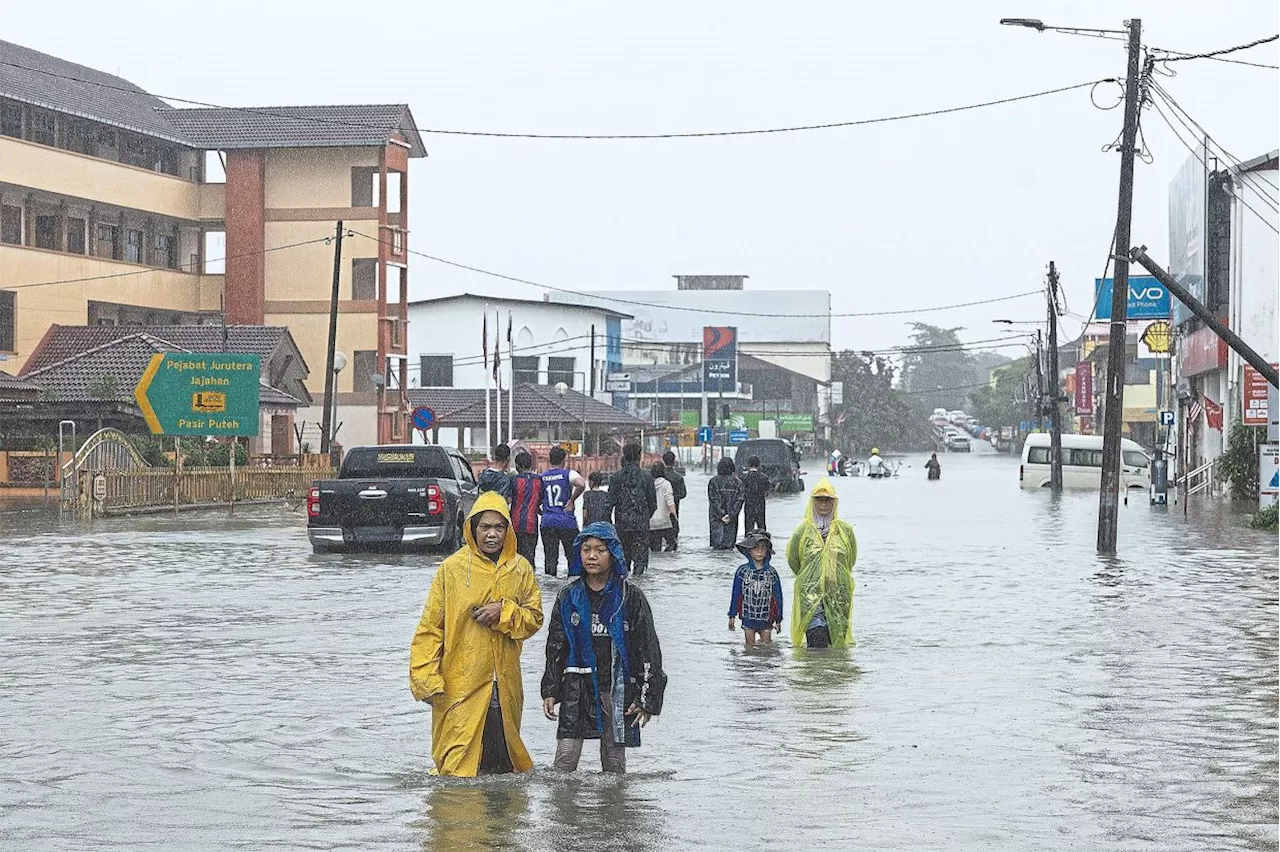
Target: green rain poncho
<point>824,572</point>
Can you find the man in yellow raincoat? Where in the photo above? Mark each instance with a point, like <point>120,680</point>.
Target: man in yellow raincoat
<point>821,553</point>
<point>465,656</point>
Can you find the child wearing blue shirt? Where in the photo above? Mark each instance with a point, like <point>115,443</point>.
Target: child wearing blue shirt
<point>757,591</point>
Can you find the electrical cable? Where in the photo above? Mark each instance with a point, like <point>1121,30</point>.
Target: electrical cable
<point>685,308</point>
<point>268,111</point>
<point>1179,56</point>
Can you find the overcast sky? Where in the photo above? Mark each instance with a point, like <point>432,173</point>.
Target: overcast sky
<point>910,214</point>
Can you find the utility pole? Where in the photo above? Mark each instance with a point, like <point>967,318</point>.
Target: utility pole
<point>593,365</point>
<point>1055,400</point>
<point>1113,405</point>
<point>331,378</point>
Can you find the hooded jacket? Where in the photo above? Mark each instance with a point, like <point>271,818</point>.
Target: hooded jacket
<point>757,591</point>
<point>453,659</point>
<point>632,498</point>
<point>824,571</point>
<point>571,676</point>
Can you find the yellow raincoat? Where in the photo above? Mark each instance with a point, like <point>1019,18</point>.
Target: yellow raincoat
<point>456,659</point>
<point>824,572</point>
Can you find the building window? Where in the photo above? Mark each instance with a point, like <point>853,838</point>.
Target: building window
<point>162,253</point>
<point>136,151</point>
<point>8,320</point>
<point>106,243</point>
<point>437,371</point>
<point>363,193</point>
<point>560,370</point>
<point>364,278</point>
<point>77,135</point>
<point>47,232</point>
<point>133,245</point>
<point>75,235</point>
<point>524,369</point>
<point>11,119</point>
<point>363,364</point>
<point>11,225</point>
<point>44,127</point>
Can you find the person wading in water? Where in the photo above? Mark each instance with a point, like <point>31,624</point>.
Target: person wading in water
<point>821,553</point>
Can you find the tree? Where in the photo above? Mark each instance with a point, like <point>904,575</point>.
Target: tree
<point>994,404</point>
<point>938,370</point>
<point>874,413</point>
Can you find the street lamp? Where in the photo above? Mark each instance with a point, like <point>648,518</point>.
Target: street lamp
<point>562,389</point>
<point>339,363</point>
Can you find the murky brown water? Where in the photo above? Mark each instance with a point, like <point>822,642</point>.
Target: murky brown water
<point>201,682</point>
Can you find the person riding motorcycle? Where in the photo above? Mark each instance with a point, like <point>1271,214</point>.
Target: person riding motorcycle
<point>876,467</point>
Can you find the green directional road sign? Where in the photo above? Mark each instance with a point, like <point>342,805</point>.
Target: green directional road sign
<point>183,393</point>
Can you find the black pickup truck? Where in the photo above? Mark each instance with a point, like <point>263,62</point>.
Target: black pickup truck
<point>778,460</point>
<point>396,496</point>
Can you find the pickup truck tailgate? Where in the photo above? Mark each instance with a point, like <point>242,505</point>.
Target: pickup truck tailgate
<point>385,503</point>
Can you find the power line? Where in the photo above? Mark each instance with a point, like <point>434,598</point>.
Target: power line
<point>1179,56</point>
<point>685,308</point>
<point>267,111</point>
<point>157,269</point>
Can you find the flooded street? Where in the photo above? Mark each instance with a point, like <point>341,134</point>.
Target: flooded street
<point>206,682</point>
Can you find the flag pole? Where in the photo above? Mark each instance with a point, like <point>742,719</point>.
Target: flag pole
<point>497,370</point>
<point>511,394</point>
<point>488,426</point>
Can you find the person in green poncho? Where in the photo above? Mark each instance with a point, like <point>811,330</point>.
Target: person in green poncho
<point>821,553</point>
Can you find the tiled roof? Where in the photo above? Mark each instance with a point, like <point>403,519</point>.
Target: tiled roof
<point>81,377</point>
<point>37,78</point>
<point>65,341</point>
<point>15,388</point>
<point>534,404</point>
<point>344,125</point>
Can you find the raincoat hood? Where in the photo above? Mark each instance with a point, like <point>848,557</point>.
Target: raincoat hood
<point>491,501</point>
<point>753,538</point>
<point>609,535</point>
<point>823,488</point>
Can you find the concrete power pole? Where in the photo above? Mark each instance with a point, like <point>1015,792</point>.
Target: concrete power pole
<point>1055,407</point>
<point>1113,406</point>
<point>330,378</point>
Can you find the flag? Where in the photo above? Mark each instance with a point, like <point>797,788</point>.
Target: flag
<point>497,353</point>
<point>509,343</point>
<point>1213,414</point>
<point>484,340</point>
<point>1193,413</point>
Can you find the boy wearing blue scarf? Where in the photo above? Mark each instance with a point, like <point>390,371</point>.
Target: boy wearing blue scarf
<point>604,665</point>
<point>757,590</point>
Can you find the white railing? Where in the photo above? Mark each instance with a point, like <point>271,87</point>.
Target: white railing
<point>1200,479</point>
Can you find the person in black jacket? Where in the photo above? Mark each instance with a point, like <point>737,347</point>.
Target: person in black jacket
<point>724,503</point>
<point>675,475</point>
<point>632,501</point>
<point>604,664</point>
<point>755,486</point>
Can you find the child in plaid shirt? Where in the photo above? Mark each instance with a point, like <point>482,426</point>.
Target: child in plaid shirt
<point>757,591</point>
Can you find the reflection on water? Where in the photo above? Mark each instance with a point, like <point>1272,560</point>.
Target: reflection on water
<point>205,682</point>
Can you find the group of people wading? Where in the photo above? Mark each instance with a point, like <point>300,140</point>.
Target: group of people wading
<point>603,679</point>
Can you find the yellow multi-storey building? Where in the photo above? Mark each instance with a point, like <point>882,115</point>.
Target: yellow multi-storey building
<point>116,208</point>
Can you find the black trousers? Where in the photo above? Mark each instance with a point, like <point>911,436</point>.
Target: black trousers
<point>527,546</point>
<point>661,540</point>
<point>817,637</point>
<point>494,757</point>
<point>753,517</point>
<point>555,539</point>
<point>635,546</point>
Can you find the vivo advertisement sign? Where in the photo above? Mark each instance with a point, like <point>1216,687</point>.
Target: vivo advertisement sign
<point>1148,298</point>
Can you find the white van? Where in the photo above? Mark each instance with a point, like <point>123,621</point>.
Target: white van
<point>1082,462</point>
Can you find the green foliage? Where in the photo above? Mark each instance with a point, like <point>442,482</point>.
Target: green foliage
<point>219,455</point>
<point>1267,519</point>
<point>1238,464</point>
<point>940,373</point>
<point>874,413</point>
<point>994,404</point>
<point>105,387</point>
<point>152,450</point>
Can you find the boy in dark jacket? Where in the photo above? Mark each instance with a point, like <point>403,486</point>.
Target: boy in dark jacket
<point>757,591</point>
<point>526,503</point>
<point>632,501</point>
<point>675,475</point>
<point>604,664</point>
<point>495,477</point>
<point>755,486</point>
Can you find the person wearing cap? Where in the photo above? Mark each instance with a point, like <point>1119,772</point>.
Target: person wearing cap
<point>604,664</point>
<point>757,590</point>
<point>821,553</point>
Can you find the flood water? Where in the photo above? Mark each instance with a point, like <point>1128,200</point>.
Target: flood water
<point>205,682</point>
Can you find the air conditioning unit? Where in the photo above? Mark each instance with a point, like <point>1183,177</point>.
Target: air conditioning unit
<point>1184,389</point>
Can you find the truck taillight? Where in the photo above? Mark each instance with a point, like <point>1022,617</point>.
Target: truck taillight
<point>435,502</point>
<point>313,502</point>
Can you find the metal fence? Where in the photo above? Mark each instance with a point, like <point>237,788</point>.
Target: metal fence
<point>165,487</point>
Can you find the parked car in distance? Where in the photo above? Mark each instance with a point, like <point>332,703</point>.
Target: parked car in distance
<point>778,460</point>
<point>1082,462</point>
<point>957,443</point>
<point>396,496</point>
